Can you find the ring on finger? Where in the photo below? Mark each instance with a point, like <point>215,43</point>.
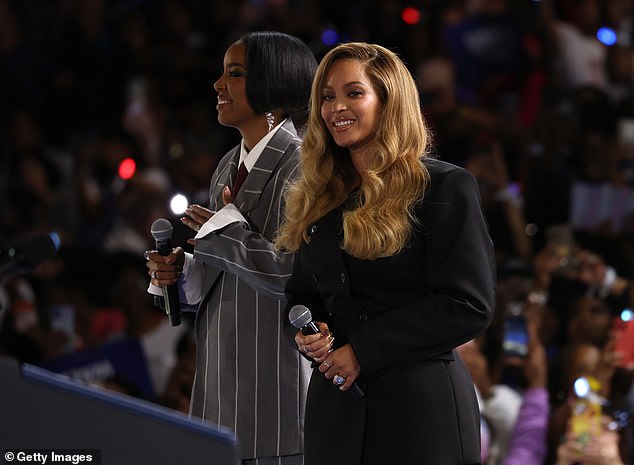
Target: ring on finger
<point>154,274</point>
<point>339,380</point>
<point>327,364</point>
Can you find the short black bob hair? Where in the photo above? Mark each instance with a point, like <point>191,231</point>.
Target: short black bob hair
<point>280,71</point>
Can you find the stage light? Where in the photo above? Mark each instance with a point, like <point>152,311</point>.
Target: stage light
<point>582,387</point>
<point>410,15</point>
<point>127,168</point>
<point>606,36</point>
<point>627,314</point>
<point>329,37</point>
<point>178,204</point>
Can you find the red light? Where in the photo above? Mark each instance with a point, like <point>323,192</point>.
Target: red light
<point>410,15</point>
<point>127,168</point>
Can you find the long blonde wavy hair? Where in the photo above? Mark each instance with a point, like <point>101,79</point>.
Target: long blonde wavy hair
<point>380,220</point>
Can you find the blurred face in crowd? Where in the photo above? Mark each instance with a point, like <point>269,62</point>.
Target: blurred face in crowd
<point>350,106</point>
<point>591,321</point>
<point>233,106</point>
<point>583,360</point>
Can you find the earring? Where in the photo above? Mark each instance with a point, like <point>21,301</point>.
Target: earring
<point>270,119</point>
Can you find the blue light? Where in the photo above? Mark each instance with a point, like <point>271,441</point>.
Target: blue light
<point>55,239</point>
<point>606,36</point>
<point>627,314</point>
<point>329,37</point>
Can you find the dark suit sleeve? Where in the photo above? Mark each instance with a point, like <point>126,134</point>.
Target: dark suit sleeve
<point>457,296</point>
<point>300,290</point>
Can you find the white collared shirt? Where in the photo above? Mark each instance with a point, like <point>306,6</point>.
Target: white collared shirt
<point>230,213</point>
<point>249,158</point>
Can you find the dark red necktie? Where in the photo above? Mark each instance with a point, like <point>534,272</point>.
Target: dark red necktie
<point>240,177</point>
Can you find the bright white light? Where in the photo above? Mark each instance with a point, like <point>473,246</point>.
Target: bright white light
<point>627,314</point>
<point>582,387</point>
<point>178,204</point>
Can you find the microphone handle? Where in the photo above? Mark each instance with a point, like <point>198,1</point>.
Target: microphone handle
<point>310,328</point>
<point>170,292</point>
<point>355,390</point>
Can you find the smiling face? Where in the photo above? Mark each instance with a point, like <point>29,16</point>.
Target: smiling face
<point>350,106</point>
<point>233,105</point>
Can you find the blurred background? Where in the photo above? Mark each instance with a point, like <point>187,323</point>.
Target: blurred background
<point>108,122</point>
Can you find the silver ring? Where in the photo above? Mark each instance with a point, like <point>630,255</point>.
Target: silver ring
<point>154,275</point>
<point>339,380</point>
<point>327,364</point>
<point>146,255</point>
<point>197,227</point>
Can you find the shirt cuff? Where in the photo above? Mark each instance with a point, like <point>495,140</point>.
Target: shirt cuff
<point>191,280</point>
<point>223,217</point>
<point>189,283</point>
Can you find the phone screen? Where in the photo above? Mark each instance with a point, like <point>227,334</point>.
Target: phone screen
<point>515,334</point>
<point>624,331</point>
<point>560,240</point>
<point>585,419</point>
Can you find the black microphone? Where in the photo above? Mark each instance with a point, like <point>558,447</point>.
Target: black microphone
<point>27,253</point>
<point>301,318</point>
<point>162,232</point>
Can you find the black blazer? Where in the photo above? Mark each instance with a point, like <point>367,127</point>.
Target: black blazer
<point>403,315</point>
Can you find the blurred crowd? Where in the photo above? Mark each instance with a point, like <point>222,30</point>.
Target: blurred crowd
<point>533,97</point>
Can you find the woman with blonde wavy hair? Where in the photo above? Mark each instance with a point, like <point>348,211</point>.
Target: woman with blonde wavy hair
<point>393,265</point>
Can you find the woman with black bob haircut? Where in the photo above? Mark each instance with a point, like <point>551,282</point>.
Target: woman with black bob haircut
<point>267,53</point>
<point>248,378</point>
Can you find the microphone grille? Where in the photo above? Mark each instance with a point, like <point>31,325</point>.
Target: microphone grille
<point>161,229</point>
<point>299,316</point>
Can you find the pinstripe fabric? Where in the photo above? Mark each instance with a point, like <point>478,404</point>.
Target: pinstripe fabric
<point>248,376</point>
<point>286,460</point>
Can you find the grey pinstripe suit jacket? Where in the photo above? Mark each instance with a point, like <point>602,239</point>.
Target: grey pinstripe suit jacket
<point>248,377</point>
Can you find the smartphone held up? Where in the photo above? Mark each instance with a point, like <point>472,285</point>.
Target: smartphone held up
<point>515,343</point>
<point>624,334</point>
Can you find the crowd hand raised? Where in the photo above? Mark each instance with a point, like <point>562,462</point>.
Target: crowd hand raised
<point>591,267</point>
<point>535,363</point>
<point>165,270</point>
<point>545,264</point>
<point>315,346</point>
<point>341,363</point>
<point>602,449</point>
